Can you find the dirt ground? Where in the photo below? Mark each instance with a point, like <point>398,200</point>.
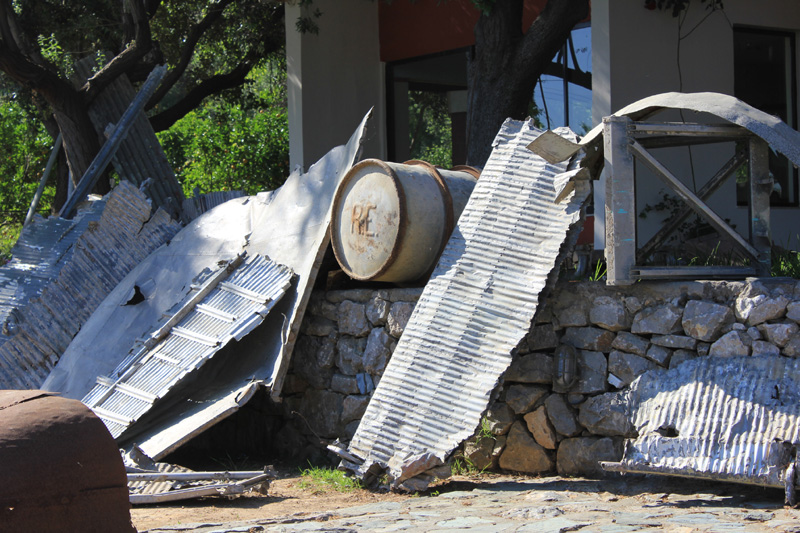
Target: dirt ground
<point>284,498</point>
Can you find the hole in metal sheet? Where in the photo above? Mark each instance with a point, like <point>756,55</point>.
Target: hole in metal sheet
<point>668,431</point>
<point>137,297</point>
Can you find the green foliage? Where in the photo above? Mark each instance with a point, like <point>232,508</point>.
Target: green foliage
<point>786,262</point>
<point>234,143</point>
<point>9,233</point>
<point>319,480</point>
<point>600,271</point>
<point>24,149</point>
<point>431,128</point>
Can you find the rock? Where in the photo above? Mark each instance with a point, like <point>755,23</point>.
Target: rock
<point>317,326</point>
<point>793,311</point>
<point>615,382</point>
<point>350,429</point>
<point>627,366</point>
<point>571,316</point>
<point>499,446</point>
<point>731,344</point>
<point>609,313</point>
<point>365,383</point>
<point>681,356</point>
<point>521,398</point>
<point>399,313</point>
<point>658,354</point>
<point>322,410</point>
<point>353,407</point>
<point>628,342</point>
<point>582,456</point>
<point>592,374</point>
<point>522,454</point>
<point>377,351</point>
<point>312,362</point>
<point>294,384</point>
<point>703,348</point>
<point>350,354</point>
<point>778,334</point>
<point>354,295</point>
<point>478,452</point>
<point>410,294</point>
<point>759,308</point>
<point>632,304</point>
<point>377,311</point>
<point>705,320</point>
<point>319,306</point>
<point>532,368</point>
<point>344,384</point>
<point>675,342</point>
<point>754,334</point>
<point>542,430</point>
<point>764,348</point>
<point>589,338</point>
<point>353,319</point>
<point>606,414</point>
<point>542,337</point>
<point>659,319</point>
<point>573,398</point>
<point>500,417</point>
<point>561,416</point>
<point>792,348</point>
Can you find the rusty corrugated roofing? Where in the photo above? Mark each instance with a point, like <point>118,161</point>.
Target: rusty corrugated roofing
<point>475,309</point>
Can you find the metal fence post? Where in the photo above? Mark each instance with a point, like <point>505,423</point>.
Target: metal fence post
<point>620,202</point>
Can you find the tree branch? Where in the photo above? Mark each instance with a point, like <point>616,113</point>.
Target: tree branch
<point>136,50</point>
<point>187,52</point>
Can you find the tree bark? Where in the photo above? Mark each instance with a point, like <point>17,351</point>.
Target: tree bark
<point>505,63</point>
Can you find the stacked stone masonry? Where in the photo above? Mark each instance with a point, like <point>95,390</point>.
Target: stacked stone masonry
<point>539,423</point>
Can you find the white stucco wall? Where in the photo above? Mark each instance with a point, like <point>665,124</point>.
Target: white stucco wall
<point>635,54</point>
<point>334,78</point>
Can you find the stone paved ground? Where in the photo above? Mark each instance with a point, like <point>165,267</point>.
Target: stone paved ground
<point>544,505</point>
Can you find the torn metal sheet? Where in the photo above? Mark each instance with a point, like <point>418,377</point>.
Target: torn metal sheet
<point>773,130</point>
<point>290,226</point>
<point>227,488</point>
<point>473,312</point>
<point>60,272</point>
<point>200,203</point>
<point>724,418</point>
<point>225,307</point>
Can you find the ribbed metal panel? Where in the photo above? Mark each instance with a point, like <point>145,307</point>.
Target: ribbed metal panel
<point>476,307</point>
<point>236,304</point>
<point>200,203</point>
<point>62,270</point>
<point>732,419</point>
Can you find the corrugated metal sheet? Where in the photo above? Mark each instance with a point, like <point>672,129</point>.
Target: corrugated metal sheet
<point>773,130</point>
<point>730,419</point>
<point>200,203</point>
<point>213,314</point>
<point>63,273</point>
<point>139,156</point>
<point>476,307</point>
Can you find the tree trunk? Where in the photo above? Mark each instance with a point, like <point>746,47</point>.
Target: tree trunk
<point>504,65</point>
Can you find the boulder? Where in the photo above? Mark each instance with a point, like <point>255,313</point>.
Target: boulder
<point>675,342</point>
<point>606,414</point>
<point>542,430</point>
<point>344,384</point>
<point>627,366</point>
<point>762,348</point>
<point>522,398</point>
<point>732,344</point>
<point>582,456</point>
<point>628,342</point>
<point>531,368</point>
<point>659,319</point>
<point>353,407</point>
<point>322,410</point>
<point>399,313</point>
<point>350,354</point>
<point>500,417</point>
<point>353,319</point>
<point>377,311</point>
<point>609,313</point>
<point>759,308</point>
<point>522,454</point>
<point>377,351</point>
<point>561,416</point>
<point>542,337</point>
<point>778,334</point>
<point>312,360</point>
<point>592,374</point>
<point>659,354</point>
<point>589,338</point>
<point>705,320</point>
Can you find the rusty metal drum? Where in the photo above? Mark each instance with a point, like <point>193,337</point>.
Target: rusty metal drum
<point>391,221</point>
<point>61,469</point>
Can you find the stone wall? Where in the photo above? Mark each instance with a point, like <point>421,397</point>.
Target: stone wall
<point>543,419</point>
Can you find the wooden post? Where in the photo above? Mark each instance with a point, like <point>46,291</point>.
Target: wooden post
<point>620,202</point>
<point>758,212</point>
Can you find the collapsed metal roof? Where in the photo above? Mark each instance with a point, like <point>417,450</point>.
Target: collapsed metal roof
<point>289,225</point>
<point>474,310</point>
<point>62,270</point>
<point>724,418</point>
<point>773,130</point>
<point>225,307</point>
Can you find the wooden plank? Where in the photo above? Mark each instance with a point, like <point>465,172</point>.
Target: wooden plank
<point>620,202</point>
<point>761,184</point>
<point>704,193</point>
<point>690,198</point>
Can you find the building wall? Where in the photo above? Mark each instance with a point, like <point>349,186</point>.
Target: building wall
<point>635,54</point>
<point>334,78</point>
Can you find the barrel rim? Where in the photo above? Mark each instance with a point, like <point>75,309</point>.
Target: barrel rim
<point>336,219</point>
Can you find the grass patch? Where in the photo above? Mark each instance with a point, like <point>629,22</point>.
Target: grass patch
<point>320,480</point>
<point>9,233</point>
